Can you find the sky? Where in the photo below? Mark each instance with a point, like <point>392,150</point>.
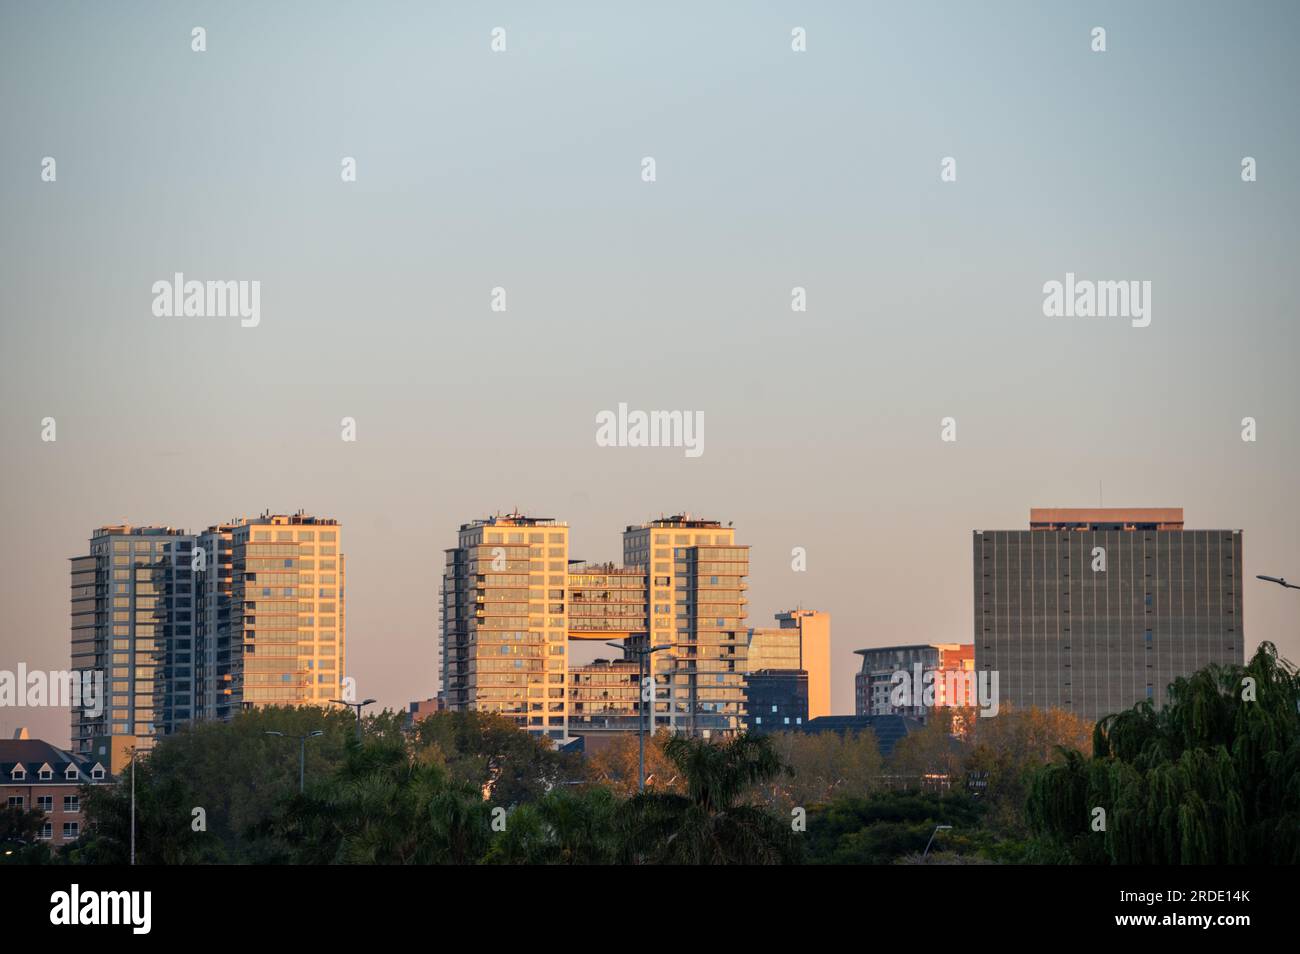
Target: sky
<point>522,170</point>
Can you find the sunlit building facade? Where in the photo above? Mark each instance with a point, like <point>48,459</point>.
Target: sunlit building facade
<point>511,599</point>
<point>187,627</point>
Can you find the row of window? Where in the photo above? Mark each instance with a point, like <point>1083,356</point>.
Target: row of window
<point>45,803</point>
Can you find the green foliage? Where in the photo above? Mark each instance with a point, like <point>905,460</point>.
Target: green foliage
<point>822,766</point>
<point>234,771</point>
<point>565,826</point>
<point>1212,778</point>
<point>714,822</point>
<point>888,826</point>
<point>487,751</point>
<point>382,807</point>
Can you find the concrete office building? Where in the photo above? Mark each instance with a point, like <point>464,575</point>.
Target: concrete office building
<point>1094,610</point>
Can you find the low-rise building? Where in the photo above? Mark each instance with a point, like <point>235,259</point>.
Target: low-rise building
<point>35,775</point>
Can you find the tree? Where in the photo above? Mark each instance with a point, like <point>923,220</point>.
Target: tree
<point>566,826</point>
<point>934,752</point>
<point>888,826</point>
<point>488,751</point>
<point>617,762</point>
<point>164,816</point>
<point>1007,748</point>
<point>712,823</point>
<point>823,766</point>
<point>1211,778</point>
<point>382,807</point>
<point>19,837</point>
<point>233,771</point>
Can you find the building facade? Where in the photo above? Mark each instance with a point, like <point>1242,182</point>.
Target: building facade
<point>1094,610</point>
<point>802,640</point>
<point>776,700</point>
<point>512,599</point>
<point>875,682</point>
<point>36,776</point>
<point>504,621</point>
<point>186,627</point>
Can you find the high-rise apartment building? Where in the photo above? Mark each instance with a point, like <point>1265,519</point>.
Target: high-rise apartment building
<point>121,622</point>
<point>187,627</point>
<point>801,641</point>
<point>505,623</point>
<point>1094,610</point>
<point>696,580</point>
<point>511,601</point>
<point>287,614</point>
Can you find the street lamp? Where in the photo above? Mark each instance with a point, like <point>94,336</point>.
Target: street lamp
<point>643,660</point>
<point>357,706</point>
<point>133,804</point>
<point>1279,581</point>
<point>302,756</point>
<point>937,829</point>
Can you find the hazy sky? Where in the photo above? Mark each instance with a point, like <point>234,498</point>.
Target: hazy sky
<point>522,170</point>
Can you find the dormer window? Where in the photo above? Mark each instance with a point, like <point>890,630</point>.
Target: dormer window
<point>45,773</point>
<point>97,773</point>
<point>71,774</point>
<point>19,773</point>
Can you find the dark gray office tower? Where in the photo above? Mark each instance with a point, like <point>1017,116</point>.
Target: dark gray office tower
<point>1094,610</point>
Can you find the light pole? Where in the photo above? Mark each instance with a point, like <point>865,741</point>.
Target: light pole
<point>1279,581</point>
<point>357,706</point>
<point>302,755</point>
<point>643,660</point>
<point>937,829</point>
<point>133,804</point>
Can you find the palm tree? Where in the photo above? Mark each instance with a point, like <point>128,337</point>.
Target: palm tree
<point>716,821</point>
<point>564,827</point>
<point>384,808</point>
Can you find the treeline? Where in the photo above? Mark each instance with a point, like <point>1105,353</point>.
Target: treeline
<point>1212,778</point>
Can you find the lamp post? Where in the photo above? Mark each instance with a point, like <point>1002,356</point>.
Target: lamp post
<point>133,804</point>
<point>643,660</point>
<point>302,755</point>
<point>357,706</point>
<point>937,829</point>
<point>1279,581</point>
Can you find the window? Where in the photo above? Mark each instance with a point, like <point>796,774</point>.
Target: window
<point>72,803</point>
<point>16,801</point>
<point>45,803</point>
<point>47,831</point>
<point>97,772</point>
<point>71,830</point>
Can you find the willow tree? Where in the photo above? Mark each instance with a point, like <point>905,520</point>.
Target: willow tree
<point>1213,777</point>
